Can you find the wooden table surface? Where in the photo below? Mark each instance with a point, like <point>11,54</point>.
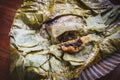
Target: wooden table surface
<point>7,12</point>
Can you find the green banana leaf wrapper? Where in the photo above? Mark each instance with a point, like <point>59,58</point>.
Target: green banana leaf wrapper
<point>40,25</point>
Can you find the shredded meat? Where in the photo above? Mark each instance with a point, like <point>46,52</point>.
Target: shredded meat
<point>72,46</point>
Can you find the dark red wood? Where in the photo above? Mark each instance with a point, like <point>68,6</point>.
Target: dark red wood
<point>7,12</point>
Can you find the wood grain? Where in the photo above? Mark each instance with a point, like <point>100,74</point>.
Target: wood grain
<point>7,12</point>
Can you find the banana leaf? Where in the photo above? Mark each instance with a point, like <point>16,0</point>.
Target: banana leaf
<point>34,47</point>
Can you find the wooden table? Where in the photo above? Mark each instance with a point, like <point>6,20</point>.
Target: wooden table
<point>7,12</point>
